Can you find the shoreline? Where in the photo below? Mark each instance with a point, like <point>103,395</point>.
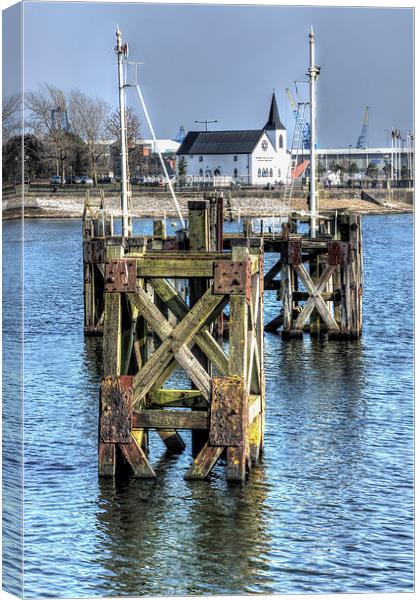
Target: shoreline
<point>158,206</point>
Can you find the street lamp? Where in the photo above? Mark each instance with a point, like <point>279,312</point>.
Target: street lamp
<point>206,122</point>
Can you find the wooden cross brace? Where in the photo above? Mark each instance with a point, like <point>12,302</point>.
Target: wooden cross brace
<point>315,299</point>
<point>175,341</point>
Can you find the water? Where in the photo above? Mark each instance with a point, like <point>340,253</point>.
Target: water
<point>330,508</point>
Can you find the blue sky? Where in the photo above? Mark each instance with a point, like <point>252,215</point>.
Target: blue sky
<point>222,62</point>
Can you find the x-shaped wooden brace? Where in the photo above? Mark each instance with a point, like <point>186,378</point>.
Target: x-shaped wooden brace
<point>315,298</point>
<point>175,341</point>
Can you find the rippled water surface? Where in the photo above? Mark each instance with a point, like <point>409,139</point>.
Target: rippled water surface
<point>329,509</point>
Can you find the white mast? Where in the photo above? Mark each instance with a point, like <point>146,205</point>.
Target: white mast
<point>122,51</point>
<point>313,73</point>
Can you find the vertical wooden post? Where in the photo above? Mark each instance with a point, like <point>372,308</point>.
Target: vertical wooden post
<point>257,384</point>
<point>111,359</point>
<point>199,241</point>
<point>247,227</point>
<point>216,241</point>
<point>352,277</point>
<point>238,341</point>
<point>286,288</point>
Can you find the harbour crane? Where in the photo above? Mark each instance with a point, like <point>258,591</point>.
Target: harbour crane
<point>180,136</point>
<point>298,112</point>
<point>362,139</point>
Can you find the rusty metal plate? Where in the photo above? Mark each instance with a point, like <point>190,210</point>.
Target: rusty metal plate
<point>227,412</point>
<point>115,409</point>
<point>291,252</point>
<point>232,277</point>
<point>337,252</point>
<point>94,251</point>
<point>121,275</point>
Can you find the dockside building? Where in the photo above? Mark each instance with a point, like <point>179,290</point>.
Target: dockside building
<point>249,156</point>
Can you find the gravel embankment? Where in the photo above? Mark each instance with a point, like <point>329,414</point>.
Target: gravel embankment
<point>258,204</point>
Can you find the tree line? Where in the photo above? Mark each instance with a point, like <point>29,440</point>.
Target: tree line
<point>63,134</point>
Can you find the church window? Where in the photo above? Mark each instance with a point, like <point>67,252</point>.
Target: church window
<point>200,158</point>
<point>259,172</point>
<point>235,158</point>
<point>280,141</point>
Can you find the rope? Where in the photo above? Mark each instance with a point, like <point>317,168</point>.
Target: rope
<point>162,162</point>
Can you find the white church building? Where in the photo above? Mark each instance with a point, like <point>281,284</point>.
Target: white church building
<point>250,156</point>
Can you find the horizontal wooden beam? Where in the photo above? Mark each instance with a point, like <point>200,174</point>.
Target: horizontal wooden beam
<point>327,296</point>
<point>177,398</point>
<point>170,419</point>
<point>178,268</point>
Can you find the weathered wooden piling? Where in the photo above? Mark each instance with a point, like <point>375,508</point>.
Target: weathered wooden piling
<point>160,302</point>
<point>330,270</point>
<point>224,409</point>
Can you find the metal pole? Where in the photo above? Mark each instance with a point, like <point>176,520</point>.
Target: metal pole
<point>121,51</point>
<point>392,156</point>
<point>313,74</point>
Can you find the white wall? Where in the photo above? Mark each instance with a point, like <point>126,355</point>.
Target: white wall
<point>263,159</point>
<point>225,163</point>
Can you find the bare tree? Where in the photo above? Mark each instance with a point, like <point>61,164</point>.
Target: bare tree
<point>134,136</point>
<point>47,117</point>
<point>90,119</point>
<point>10,116</point>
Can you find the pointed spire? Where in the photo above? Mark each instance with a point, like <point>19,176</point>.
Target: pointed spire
<point>274,118</point>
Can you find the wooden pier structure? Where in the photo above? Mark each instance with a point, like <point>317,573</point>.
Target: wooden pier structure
<point>195,302</point>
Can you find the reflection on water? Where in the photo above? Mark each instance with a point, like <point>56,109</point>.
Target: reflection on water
<point>181,538</point>
<point>330,508</point>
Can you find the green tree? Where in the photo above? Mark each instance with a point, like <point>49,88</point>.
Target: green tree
<point>372,170</point>
<point>182,170</point>
<point>353,168</point>
<point>33,150</point>
<point>387,169</point>
<point>335,167</point>
<point>321,169</point>
<point>78,158</point>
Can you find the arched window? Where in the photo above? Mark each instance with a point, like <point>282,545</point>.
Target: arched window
<point>201,172</point>
<point>216,172</point>
<point>271,172</point>
<point>235,173</point>
<point>280,141</point>
<point>259,172</point>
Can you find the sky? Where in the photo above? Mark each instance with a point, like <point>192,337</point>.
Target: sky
<point>223,62</point>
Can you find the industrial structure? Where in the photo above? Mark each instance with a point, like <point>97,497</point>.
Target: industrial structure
<point>362,140</point>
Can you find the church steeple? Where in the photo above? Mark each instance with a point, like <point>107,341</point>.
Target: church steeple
<point>274,118</point>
